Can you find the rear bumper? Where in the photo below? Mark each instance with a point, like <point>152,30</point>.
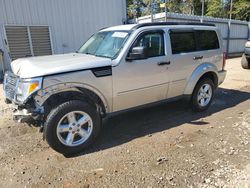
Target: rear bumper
<point>221,76</point>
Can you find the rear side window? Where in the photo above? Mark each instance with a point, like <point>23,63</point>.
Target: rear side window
<point>207,40</point>
<point>182,42</point>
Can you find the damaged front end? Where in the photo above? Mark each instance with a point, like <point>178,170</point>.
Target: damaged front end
<point>28,113</point>
<point>20,93</point>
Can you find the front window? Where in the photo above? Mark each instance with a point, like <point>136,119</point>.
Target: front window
<point>105,44</point>
<point>153,43</point>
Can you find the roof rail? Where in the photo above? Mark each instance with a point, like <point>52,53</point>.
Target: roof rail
<point>171,23</point>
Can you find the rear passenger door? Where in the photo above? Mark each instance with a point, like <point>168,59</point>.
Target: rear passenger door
<point>184,59</point>
<point>191,47</point>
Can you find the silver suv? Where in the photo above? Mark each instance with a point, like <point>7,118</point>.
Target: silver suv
<point>118,68</point>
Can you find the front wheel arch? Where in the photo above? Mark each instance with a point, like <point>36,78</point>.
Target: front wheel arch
<point>80,94</point>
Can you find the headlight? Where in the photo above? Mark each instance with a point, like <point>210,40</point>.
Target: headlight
<point>27,87</point>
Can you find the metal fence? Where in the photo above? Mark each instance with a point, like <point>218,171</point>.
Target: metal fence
<point>235,33</point>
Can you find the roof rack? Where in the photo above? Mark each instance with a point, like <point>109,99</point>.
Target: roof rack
<point>171,23</point>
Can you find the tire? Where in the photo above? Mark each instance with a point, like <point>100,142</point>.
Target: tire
<point>245,62</point>
<point>196,101</point>
<point>72,127</point>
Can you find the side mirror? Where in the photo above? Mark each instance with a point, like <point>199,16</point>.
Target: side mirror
<point>137,53</point>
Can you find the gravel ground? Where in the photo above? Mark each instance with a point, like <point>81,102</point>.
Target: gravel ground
<point>162,146</point>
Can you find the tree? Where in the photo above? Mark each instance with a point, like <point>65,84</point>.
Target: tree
<point>197,4</point>
<point>216,8</point>
<point>174,6</point>
<point>241,10</point>
<point>136,8</point>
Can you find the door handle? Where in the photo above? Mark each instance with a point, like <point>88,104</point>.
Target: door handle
<point>164,63</point>
<point>198,57</point>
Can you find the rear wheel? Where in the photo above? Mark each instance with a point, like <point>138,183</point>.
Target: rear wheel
<point>203,95</point>
<point>72,127</point>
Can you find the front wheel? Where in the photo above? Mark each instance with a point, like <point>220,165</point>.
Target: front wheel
<point>72,127</point>
<point>203,95</point>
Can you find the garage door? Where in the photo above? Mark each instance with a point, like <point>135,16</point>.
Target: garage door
<point>25,41</point>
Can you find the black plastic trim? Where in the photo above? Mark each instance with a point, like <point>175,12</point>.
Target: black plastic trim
<point>102,71</point>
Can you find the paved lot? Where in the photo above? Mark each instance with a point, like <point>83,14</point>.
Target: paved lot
<point>162,146</point>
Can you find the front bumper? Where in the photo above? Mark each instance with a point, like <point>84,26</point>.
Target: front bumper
<point>22,115</point>
<point>23,111</point>
<point>28,113</point>
<point>221,76</point>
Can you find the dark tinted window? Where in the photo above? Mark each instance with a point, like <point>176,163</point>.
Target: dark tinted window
<point>182,42</point>
<point>207,40</point>
<point>153,42</point>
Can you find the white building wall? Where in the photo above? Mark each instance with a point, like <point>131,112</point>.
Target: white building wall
<point>71,22</point>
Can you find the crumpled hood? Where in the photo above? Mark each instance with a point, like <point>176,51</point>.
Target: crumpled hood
<point>53,64</point>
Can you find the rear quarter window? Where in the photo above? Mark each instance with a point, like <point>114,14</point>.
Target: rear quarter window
<point>207,40</point>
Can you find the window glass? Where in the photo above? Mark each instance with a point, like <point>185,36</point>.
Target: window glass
<point>182,42</point>
<point>208,40</point>
<point>105,44</point>
<point>153,43</point>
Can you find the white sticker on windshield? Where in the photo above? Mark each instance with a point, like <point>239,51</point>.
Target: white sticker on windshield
<point>119,34</point>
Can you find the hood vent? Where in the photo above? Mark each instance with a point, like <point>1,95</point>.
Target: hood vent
<point>102,71</point>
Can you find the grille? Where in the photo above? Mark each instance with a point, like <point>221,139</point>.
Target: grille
<point>10,86</point>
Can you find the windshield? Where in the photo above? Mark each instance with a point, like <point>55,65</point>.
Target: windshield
<point>105,44</point>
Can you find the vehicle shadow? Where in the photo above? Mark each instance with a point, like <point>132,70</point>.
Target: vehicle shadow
<point>124,127</point>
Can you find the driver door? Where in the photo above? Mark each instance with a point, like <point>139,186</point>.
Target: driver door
<point>142,81</point>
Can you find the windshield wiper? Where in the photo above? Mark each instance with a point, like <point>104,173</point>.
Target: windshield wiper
<point>86,53</point>
<point>103,56</point>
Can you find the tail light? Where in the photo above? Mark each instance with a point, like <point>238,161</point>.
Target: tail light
<point>224,60</point>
